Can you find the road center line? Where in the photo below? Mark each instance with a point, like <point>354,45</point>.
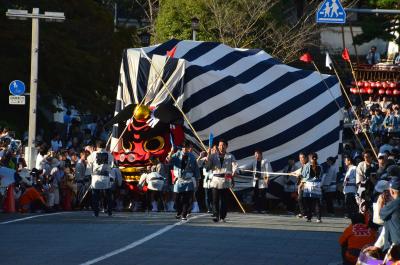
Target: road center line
<point>140,241</point>
<point>30,217</point>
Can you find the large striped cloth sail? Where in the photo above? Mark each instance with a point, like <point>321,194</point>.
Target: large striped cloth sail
<point>241,95</point>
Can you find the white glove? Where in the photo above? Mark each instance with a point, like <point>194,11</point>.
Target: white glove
<point>152,122</point>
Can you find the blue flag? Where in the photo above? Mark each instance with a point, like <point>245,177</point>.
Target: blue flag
<point>210,139</point>
<point>171,139</point>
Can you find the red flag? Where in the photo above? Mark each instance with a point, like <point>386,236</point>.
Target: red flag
<point>307,58</point>
<point>171,53</point>
<point>346,55</point>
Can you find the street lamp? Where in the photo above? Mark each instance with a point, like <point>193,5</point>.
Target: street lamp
<point>195,26</point>
<point>145,38</point>
<point>35,16</point>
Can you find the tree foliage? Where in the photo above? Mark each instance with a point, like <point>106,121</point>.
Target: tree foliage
<point>381,26</point>
<point>242,23</point>
<point>78,59</point>
<point>390,4</point>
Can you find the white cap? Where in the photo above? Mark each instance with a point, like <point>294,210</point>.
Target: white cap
<point>382,154</point>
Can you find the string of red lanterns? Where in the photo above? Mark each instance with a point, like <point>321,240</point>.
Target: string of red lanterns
<point>390,88</point>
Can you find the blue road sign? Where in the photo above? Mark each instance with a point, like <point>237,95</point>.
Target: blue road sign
<point>331,11</point>
<point>17,88</point>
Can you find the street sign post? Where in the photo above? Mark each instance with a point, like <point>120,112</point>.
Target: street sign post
<point>331,11</point>
<point>16,100</point>
<point>17,88</point>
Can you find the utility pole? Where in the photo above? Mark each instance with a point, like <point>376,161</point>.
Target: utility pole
<point>195,27</point>
<point>30,151</point>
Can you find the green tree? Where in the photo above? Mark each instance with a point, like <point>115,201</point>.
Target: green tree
<point>260,24</point>
<point>79,59</point>
<point>174,20</point>
<point>381,26</point>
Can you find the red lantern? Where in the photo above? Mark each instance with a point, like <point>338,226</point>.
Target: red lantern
<point>389,92</point>
<point>362,91</point>
<point>378,84</point>
<point>360,83</point>
<point>384,85</point>
<point>381,91</point>
<point>367,84</point>
<point>370,91</point>
<point>396,92</point>
<point>373,84</point>
<point>393,84</point>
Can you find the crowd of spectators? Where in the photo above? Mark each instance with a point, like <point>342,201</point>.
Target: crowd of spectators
<point>59,175</point>
<point>366,178</point>
<point>371,156</point>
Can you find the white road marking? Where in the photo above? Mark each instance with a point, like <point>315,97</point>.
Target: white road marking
<point>140,241</point>
<point>30,217</point>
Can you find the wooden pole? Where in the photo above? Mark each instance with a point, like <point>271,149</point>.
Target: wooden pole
<point>355,113</point>
<point>337,104</point>
<point>194,131</point>
<point>237,200</point>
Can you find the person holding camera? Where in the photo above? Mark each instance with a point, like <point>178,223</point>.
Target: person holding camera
<point>99,164</point>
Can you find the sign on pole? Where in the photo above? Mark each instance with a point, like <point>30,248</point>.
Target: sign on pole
<point>16,100</point>
<point>17,88</point>
<point>331,11</point>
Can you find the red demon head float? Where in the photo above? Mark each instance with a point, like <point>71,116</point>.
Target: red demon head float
<point>149,134</point>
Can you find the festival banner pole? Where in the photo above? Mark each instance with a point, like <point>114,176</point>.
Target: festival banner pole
<point>355,113</point>
<point>169,55</point>
<point>308,59</point>
<point>329,63</point>
<point>194,131</point>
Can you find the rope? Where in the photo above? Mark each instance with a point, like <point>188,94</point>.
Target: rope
<point>179,108</point>
<point>269,173</point>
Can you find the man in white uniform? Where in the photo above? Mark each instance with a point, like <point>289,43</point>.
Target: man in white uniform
<point>99,164</point>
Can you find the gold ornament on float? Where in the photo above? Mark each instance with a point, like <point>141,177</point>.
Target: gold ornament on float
<point>141,112</point>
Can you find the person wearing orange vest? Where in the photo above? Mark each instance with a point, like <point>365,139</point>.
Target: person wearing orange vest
<point>30,200</point>
<point>354,238</point>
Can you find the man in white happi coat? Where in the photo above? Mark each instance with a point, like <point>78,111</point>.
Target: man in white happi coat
<point>328,184</point>
<point>155,186</point>
<point>99,165</point>
<point>223,166</point>
<point>260,168</point>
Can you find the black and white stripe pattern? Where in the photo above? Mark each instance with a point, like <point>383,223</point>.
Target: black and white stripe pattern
<point>243,96</point>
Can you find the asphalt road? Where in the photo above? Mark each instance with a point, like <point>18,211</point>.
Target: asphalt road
<point>158,238</point>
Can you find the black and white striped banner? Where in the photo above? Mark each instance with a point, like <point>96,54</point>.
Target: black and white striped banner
<point>243,96</point>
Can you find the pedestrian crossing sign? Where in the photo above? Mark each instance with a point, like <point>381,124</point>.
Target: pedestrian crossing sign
<point>331,11</point>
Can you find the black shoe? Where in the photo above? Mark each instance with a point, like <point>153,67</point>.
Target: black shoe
<point>96,214</point>
<point>216,220</point>
<point>109,213</point>
<point>183,218</point>
<point>178,216</point>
